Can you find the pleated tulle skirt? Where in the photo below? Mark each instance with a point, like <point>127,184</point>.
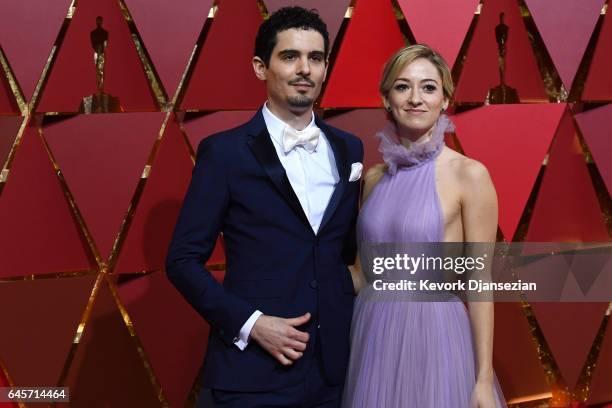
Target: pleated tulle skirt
<point>410,354</point>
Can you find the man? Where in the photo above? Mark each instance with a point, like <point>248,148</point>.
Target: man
<point>284,190</point>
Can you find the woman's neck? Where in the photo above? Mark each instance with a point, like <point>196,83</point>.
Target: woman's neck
<point>409,138</point>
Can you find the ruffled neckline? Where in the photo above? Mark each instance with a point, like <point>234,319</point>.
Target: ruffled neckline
<point>396,155</point>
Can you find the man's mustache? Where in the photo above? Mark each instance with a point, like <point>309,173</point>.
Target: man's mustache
<point>297,81</point>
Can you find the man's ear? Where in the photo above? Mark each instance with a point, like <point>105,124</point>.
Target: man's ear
<point>326,67</point>
<point>260,68</point>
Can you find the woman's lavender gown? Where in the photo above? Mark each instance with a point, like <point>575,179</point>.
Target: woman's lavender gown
<point>408,353</point>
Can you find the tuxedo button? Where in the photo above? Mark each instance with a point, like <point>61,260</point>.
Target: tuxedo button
<point>314,284</point>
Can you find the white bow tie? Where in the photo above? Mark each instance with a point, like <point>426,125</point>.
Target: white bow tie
<point>307,138</point>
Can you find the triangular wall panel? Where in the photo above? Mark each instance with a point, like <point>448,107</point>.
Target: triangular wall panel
<point>601,386</point>
<point>107,370</point>
<point>165,322</point>
<point>426,17</point>
<point>598,85</point>
<point>148,238</point>
<point>102,158</point>
<point>481,71</point>
<point>204,126</point>
<point>169,30</point>
<point>511,141</point>
<point>372,36</point>
<point>73,75</point>
<point>54,307</point>
<point>222,79</point>
<point>28,30</point>
<point>515,357</point>
<point>363,123</point>
<point>569,329</point>
<point>586,270</point>
<point>8,103</point>
<point>46,228</point>
<point>5,383</point>
<point>596,128</point>
<point>331,12</point>
<point>9,127</point>
<point>3,379</point>
<point>566,28</point>
<point>600,288</point>
<point>567,210</point>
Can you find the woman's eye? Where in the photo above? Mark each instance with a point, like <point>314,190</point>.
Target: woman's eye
<point>401,87</point>
<point>430,88</point>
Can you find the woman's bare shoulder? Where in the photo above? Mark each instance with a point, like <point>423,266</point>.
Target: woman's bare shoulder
<point>474,172</point>
<point>465,168</point>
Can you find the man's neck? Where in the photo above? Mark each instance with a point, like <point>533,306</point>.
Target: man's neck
<point>296,119</point>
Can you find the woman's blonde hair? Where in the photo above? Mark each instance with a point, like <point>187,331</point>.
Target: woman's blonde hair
<point>405,56</point>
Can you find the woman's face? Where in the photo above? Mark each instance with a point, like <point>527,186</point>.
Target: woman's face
<point>416,98</point>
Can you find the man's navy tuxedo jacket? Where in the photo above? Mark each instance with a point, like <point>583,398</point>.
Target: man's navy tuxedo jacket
<point>275,262</point>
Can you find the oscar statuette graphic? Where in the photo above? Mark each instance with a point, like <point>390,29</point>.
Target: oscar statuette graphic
<point>502,93</point>
<point>99,102</point>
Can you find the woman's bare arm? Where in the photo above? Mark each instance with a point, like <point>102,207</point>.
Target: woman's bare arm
<point>479,212</point>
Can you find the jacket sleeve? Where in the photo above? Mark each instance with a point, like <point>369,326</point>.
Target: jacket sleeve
<point>200,220</point>
<point>349,251</point>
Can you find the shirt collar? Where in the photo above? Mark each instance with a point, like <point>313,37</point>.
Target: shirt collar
<point>276,125</point>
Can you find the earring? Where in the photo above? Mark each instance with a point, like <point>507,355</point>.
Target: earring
<point>388,108</point>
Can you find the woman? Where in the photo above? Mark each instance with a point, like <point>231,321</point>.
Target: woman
<point>416,353</point>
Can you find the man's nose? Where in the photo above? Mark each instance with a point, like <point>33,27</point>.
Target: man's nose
<point>303,66</point>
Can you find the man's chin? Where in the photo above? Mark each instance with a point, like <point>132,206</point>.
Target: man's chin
<point>300,102</point>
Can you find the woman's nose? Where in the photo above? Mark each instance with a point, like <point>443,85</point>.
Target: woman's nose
<point>415,97</point>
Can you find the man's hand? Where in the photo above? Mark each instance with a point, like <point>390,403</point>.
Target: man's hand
<point>280,338</point>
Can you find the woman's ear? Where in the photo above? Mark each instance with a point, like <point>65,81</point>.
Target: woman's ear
<point>445,104</point>
<point>386,104</point>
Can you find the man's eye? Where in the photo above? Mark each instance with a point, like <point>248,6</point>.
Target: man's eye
<point>317,58</point>
<point>288,57</point>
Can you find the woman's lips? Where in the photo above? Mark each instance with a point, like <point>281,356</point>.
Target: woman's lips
<point>415,111</point>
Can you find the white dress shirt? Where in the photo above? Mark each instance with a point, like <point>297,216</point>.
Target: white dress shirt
<point>313,177</point>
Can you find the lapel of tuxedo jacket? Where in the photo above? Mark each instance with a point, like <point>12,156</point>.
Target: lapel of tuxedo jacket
<point>261,145</point>
<point>341,158</point>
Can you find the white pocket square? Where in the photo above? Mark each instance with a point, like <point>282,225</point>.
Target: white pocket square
<point>355,171</point>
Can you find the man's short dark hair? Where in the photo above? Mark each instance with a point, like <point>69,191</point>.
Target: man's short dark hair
<point>284,19</point>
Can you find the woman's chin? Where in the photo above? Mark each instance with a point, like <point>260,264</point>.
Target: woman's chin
<point>414,127</point>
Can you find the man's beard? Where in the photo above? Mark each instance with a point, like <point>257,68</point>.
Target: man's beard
<point>300,101</point>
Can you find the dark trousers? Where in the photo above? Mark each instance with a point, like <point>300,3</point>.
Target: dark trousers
<point>313,392</point>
